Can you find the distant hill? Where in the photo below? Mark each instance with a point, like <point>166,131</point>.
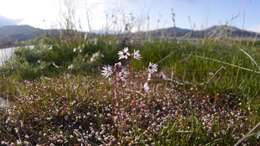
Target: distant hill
<point>12,34</point>
<point>9,35</point>
<point>218,31</point>
<point>225,31</point>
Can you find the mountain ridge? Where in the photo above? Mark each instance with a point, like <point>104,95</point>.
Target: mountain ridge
<point>11,34</point>
<point>213,31</point>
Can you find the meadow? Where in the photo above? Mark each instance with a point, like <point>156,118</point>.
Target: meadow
<point>203,92</point>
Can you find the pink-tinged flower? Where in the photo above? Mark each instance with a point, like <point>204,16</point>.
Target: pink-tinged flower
<point>118,66</point>
<point>146,87</point>
<point>107,71</point>
<point>123,75</point>
<point>123,54</point>
<point>152,68</point>
<point>163,76</point>
<point>137,55</point>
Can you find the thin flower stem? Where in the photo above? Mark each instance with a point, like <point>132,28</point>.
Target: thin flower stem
<point>251,58</point>
<point>249,134</point>
<point>226,63</point>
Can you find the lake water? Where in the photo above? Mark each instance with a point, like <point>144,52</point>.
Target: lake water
<point>5,54</point>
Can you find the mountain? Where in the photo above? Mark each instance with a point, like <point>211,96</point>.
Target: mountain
<point>170,32</point>
<point>218,31</point>
<point>225,31</point>
<point>10,35</point>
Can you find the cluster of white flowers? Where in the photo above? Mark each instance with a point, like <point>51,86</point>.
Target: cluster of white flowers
<point>121,73</point>
<point>124,54</point>
<point>96,56</point>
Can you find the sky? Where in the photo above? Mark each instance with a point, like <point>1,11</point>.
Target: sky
<point>94,15</point>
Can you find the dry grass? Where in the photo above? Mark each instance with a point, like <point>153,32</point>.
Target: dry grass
<point>74,109</point>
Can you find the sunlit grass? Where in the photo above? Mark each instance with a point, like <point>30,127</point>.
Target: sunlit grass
<point>56,90</point>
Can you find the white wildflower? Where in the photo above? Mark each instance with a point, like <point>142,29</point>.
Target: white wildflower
<point>137,55</point>
<point>4,143</point>
<point>19,142</point>
<point>152,68</point>
<point>123,75</point>
<point>146,87</point>
<point>75,50</point>
<point>27,136</point>
<point>80,50</point>
<point>107,71</point>
<point>50,47</point>
<point>16,130</point>
<point>26,143</point>
<point>118,66</point>
<point>95,56</point>
<point>163,76</point>
<point>70,66</point>
<point>123,54</point>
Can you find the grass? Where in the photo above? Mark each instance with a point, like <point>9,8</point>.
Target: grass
<point>63,109</point>
<point>57,95</point>
<point>206,64</point>
<point>188,63</point>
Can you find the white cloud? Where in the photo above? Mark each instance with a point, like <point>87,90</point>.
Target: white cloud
<point>39,13</point>
<point>48,13</point>
<point>7,21</point>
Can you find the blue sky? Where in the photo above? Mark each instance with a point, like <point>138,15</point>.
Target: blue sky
<point>197,14</point>
<point>200,14</point>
